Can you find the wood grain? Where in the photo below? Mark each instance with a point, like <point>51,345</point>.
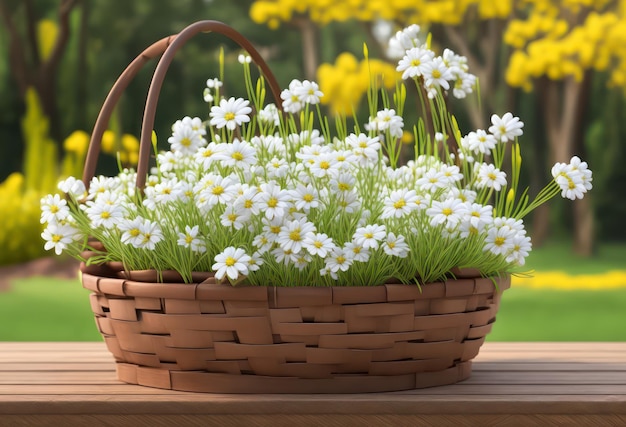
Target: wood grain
<point>512,384</point>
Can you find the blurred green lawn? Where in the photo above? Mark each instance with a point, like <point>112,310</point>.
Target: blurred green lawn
<point>46,309</point>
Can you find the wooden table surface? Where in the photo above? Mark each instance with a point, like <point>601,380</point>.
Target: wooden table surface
<point>525,384</point>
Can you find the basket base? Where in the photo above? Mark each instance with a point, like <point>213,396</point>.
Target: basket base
<point>205,382</point>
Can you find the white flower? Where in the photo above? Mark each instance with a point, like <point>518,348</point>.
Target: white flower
<point>491,177</point>
<point>190,239</point>
<point>399,203</point>
<point>293,233</point>
<point>231,262</point>
<point>273,200</point>
<point>72,186</point>
<point>244,58</point>
<point>499,240</point>
<point>285,256</point>
<point>186,140</point>
<point>102,214</point>
<point>520,248</point>
<point>432,180</point>
<point>479,215</point>
<point>308,92</point>
<point>218,190</point>
<point>239,153</point>
<point>574,178</point>
<point>131,231</point>
<point>323,165</point>
<point>463,85</point>
<point>277,168</point>
<point>305,198</point>
<point>364,147</point>
<point>269,115</point>
<point>58,236</point>
<point>447,212</point>
<point>403,41</point>
<point>150,235</point>
<point>360,253</point>
<point>235,217</point>
<point>207,155</point>
<point>413,64</point>
<point>395,246</point>
<point>451,173</point>
<point>54,209</point>
<point>386,119</point>
<point>349,201</point>
<point>369,236</point>
<point>255,262</point>
<point>249,200</point>
<point>437,74</point>
<point>339,259</point>
<point>318,244</point>
<point>230,113</point>
<point>480,142</point>
<point>263,242</point>
<point>506,128</point>
<point>291,101</point>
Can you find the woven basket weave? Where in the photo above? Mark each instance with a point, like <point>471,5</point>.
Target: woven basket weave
<point>207,337</point>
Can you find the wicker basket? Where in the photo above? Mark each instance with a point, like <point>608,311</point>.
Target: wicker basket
<point>207,337</point>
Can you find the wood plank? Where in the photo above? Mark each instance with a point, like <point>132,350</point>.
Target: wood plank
<point>512,384</point>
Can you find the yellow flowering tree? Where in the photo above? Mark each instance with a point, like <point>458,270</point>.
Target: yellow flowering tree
<point>551,47</point>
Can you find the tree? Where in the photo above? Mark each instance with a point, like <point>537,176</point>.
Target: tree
<point>33,65</point>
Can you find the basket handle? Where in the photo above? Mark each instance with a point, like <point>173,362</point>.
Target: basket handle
<point>166,47</point>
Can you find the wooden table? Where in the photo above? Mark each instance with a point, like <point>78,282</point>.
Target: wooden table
<point>513,384</point>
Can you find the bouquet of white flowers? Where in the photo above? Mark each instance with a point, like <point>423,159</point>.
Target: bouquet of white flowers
<point>269,195</point>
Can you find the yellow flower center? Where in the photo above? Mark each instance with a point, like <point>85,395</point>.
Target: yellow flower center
<point>54,209</point>
<point>324,165</point>
<point>247,204</point>
<point>447,211</point>
<point>237,156</point>
<point>229,116</point>
<point>232,217</point>
<point>217,190</point>
<point>272,202</point>
<point>436,74</point>
<point>230,261</point>
<point>105,215</point>
<point>185,142</point>
<point>341,259</point>
<point>499,241</point>
<point>318,244</point>
<point>343,186</point>
<point>295,235</point>
<point>492,176</point>
<point>134,232</point>
<point>368,235</point>
<point>56,238</point>
<point>391,245</point>
<point>415,63</point>
<point>275,229</point>
<point>399,204</point>
<point>188,239</point>
<point>308,198</point>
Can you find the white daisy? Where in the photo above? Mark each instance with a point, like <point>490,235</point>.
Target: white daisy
<point>305,198</point>
<point>235,217</point>
<point>447,212</point>
<point>308,92</point>
<point>339,259</point>
<point>399,203</point>
<point>520,248</point>
<point>499,241</point>
<point>273,200</point>
<point>59,236</point>
<point>291,101</point>
<point>490,177</point>
<point>318,244</point>
<point>72,186</point>
<point>293,233</point>
<point>369,236</point>
<point>230,113</point>
<point>238,153</point>
<point>54,209</point>
<point>189,239</point>
<point>186,140</point>
<point>506,128</point>
<point>360,253</point>
<point>255,262</point>
<point>104,214</point>
<point>412,65</point>
<point>437,74</point>
<point>231,262</point>
<point>395,246</point>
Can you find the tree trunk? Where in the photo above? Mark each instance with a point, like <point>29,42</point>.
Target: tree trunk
<point>310,48</point>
